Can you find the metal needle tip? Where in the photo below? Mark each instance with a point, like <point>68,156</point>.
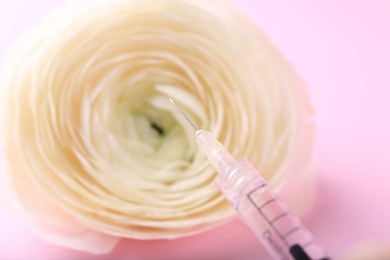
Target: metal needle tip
<point>181,111</point>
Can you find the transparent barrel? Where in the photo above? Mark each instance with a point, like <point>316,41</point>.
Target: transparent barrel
<point>278,229</point>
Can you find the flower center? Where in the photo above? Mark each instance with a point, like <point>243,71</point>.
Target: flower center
<point>156,127</point>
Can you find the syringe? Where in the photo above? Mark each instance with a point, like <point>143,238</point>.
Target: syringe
<point>275,226</point>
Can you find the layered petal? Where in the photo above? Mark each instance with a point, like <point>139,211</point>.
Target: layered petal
<point>96,152</point>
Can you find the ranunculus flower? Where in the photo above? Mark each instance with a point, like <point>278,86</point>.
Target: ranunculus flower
<point>94,150</point>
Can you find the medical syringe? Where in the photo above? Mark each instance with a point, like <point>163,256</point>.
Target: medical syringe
<point>275,226</point>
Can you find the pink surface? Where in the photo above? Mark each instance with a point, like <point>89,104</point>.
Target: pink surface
<point>341,48</point>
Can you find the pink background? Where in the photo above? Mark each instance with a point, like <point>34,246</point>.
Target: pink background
<point>342,50</point>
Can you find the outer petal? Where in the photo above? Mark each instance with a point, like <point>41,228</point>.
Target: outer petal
<point>46,219</point>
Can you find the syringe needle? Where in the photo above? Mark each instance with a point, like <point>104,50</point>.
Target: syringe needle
<point>181,111</point>
<point>215,152</point>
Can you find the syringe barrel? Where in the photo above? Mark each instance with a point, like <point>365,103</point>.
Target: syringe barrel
<point>277,228</point>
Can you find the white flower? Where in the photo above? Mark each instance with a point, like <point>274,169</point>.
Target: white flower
<point>94,150</point>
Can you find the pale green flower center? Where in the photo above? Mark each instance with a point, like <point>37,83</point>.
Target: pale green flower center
<point>158,131</point>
